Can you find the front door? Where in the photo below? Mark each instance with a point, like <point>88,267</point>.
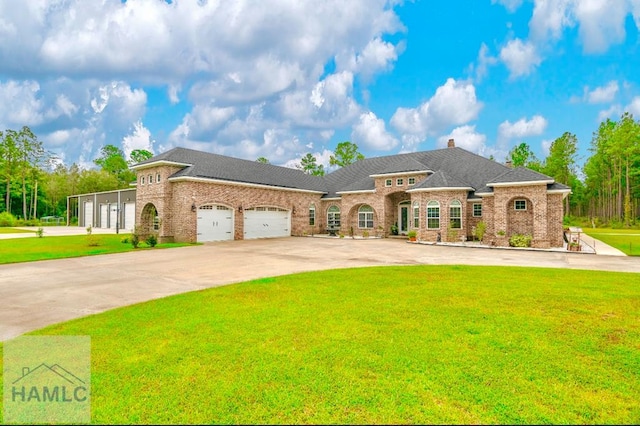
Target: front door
<point>403,217</point>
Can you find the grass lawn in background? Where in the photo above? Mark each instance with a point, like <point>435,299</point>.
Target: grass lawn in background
<point>412,344</point>
<point>5,230</point>
<point>29,249</point>
<point>625,240</point>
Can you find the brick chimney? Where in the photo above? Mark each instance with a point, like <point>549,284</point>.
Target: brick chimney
<point>451,143</point>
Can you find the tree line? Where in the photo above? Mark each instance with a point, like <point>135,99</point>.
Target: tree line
<point>34,183</point>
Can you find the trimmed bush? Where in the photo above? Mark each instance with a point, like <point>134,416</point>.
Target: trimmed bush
<point>7,219</point>
<point>152,240</point>
<point>518,240</point>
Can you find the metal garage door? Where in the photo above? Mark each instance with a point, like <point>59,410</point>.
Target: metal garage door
<point>88,214</point>
<point>215,223</point>
<point>104,215</point>
<point>129,216</point>
<point>266,222</point>
<point>113,215</point>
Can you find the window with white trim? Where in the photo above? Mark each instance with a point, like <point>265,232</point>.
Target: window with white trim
<point>433,215</point>
<point>333,217</point>
<point>416,215</point>
<point>158,178</point>
<point>520,204</point>
<point>411,181</point>
<point>312,214</point>
<point>455,215</point>
<point>150,178</point>
<point>365,217</point>
<point>388,182</point>
<point>399,182</point>
<point>142,180</point>
<point>477,210</point>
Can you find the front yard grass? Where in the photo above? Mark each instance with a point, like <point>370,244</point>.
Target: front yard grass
<point>625,240</point>
<point>413,344</point>
<point>29,249</point>
<point>5,230</point>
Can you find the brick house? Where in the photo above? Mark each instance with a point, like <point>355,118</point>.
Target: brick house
<point>187,195</point>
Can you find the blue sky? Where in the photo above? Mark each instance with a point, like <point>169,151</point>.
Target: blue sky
<point>279,78</point>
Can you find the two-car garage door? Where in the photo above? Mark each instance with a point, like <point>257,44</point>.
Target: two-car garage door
<point>215,223</point>
<point>266,222</point>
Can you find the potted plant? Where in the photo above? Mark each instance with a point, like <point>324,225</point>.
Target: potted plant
<point>394,229</point>
<point>412,234</point>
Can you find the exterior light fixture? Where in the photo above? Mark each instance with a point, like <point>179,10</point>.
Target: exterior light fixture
<point>193,207</point>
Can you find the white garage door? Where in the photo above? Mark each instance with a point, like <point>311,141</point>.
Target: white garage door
<point>215,223</point>
<point>266,222</point>
<point>104,215</point>
<point>129,216</point>
<point>88,214</point>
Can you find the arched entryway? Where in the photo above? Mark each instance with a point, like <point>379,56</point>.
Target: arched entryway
<point>519,216</point>
<point>149,220</point>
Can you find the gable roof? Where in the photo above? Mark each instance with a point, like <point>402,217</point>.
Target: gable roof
<point>205,165</point>
<point>445,168</point>
<point>520,175</point>
<point>441,180</point>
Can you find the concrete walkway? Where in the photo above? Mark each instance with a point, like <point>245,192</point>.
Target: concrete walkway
<point>599,247</point>
<point>37,294</point>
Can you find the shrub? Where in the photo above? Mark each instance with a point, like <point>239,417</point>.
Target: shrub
<point>365,234</point>
<point>481,229</point>
<point>7,219</point>
<point>40,232</point>
<point>152,240</point>
<point>135,237</point>
<point>519,240</point>
<point>124,240</point>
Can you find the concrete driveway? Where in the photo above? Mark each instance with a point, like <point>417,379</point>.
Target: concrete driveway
<point>37,294</point>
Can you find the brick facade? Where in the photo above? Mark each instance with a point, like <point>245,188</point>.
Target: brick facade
<point>173,201</point>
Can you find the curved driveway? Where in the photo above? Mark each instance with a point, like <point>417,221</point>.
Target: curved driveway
<point>36,294</point>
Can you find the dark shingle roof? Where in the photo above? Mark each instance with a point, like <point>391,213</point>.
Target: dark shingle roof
<point>214,166</point>
<point>452,167</point>
<point>519,175</point>
<point>441,179</point>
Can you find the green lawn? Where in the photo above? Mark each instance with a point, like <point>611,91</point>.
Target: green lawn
<point>30,249</point>
<point>5,230</point>
<point>625,240</point>
<point>414,344</point>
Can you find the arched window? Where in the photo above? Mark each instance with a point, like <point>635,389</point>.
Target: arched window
<point>365,217</point>
<point>312,214</point>
<point>416,215</point>
<point>433,215</point>
<point>455,215</point>
<point>333,218</point>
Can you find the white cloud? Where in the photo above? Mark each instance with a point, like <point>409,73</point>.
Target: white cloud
<point>519,57</point>
<point>484,61</point>
<point>247,68</point>
<point>634,107</point>
<point>510,5</point>
<point>612,112</point>
<point>454,103</point>
<point>549,19</point>
<point>522,128</point>
<point>370,132</point>
<point>465,137</point>
<point>600,22</point>
<point>139,139</point>
<point>602,94</point>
